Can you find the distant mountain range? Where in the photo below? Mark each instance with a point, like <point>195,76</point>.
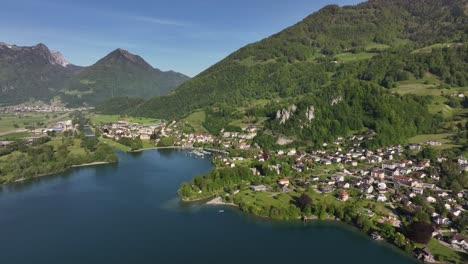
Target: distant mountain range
<point>41,74</point>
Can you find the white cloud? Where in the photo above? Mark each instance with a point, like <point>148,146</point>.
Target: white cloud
<point>155,20</point>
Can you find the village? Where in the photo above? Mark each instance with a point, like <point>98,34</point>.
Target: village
<point>40,108</point>
<point>342,169</point>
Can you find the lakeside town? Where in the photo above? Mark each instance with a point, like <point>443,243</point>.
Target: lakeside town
<point>402,176</point>
<point>342,169</point>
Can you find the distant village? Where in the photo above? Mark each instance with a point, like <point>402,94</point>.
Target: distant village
<point>40,108</point>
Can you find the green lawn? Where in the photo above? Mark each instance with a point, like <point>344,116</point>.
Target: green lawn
<point>428,86</point>
<point>100,119</point>
<point>376,46</point>
<point>196,120</point>
<point>444,138</point>
<point>266,199</point>
<point>147,144</point>
<point>443,253</point>
<point>115,144</point>
<point>15,135</point>
<point>347,56</point>
<point>74,149</point>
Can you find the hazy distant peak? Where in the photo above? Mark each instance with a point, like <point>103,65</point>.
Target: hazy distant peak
<point>3,44</point>
<point>121,53</point>
<point>57,58</point>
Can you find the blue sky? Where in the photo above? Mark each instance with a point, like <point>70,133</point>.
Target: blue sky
<point>182,35</point>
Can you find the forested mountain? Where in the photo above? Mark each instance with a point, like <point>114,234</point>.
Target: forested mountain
<point>38,73</point>
<point>121,73</point>
<point>31,72</point>
<point>295,60</point>
<point>338,62</point>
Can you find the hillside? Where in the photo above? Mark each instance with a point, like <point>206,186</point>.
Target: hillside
<point>31,72</point>
<point>258,70</point>
<point>39,73</point>
<point>121,73</point>
<point>337,61</point>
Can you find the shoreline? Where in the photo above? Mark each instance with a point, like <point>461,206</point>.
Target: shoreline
<point>62,171</point>
<point>156,148</point>
<point>219,201</point>
<point>91,164</point>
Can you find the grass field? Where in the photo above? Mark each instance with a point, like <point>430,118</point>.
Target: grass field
<point>266,199</point>
<point>8,121</point>
<point>196,120</point>
<point>147,144</point>
<point>114,144</point>
<point>428,86</point>
<point>101,119</point>
<point>15,135</point>
<point>444,138</point>
<point>75,149</point>
<point>444,253</point>
<point>376,46</point>
<point>347,57</point>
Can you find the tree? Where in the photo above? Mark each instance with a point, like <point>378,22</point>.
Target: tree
<point>304,201</point>
<point>428,153</point>
<point>420,232</point>
<point>400,240</point>
<point>136,144</point>
<point>387,230</point>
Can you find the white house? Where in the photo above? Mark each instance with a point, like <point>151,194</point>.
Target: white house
<point>381,198</point>
<point>381,185</point>
<point>460,242</point>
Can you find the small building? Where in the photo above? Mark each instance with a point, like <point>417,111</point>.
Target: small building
<point>283,182</point>
<point>442,220</point>
<point>326,189</point>
<point>338,178</point>
<point>378,173</point>
<point>424,255</point>
<point>418,190</point>
<point>459,242</point>
<point>344,196</point>
<point>376,236</point>
<point>381,198</point>
<point>258,188</point>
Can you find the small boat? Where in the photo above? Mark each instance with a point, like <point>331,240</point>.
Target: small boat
<point>221,211</point>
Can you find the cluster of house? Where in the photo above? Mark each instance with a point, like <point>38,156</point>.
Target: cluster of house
<point>24,108</point>
<point>60,127</point>
<point>379,175</point>
<point>125,129</point>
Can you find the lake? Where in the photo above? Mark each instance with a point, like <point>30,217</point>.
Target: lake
<point>130,213</point>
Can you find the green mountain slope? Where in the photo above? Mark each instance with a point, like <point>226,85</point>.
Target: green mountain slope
<point>121,74</point>
<point>297,60</point>
<point>38,73</point>
<point>31,72</point>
